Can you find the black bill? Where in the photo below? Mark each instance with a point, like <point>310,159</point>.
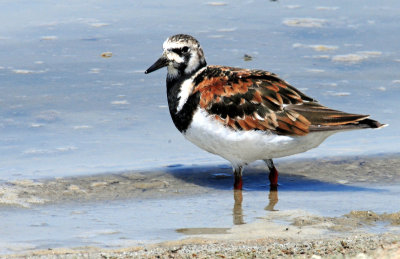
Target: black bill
<point>160,63</point>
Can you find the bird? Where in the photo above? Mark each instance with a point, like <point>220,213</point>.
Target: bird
<point>244,115</point>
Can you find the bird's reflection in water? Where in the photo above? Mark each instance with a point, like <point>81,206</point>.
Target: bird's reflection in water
<point>272,198</point>
<point>237,207</point>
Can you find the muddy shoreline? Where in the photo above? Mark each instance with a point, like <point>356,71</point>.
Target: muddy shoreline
<point>360,245</point>
<point>286,233</point>
<point>178,180</point>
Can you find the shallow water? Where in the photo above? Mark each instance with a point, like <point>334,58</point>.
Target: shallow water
<point>65,110</point>
<point>195,200</point>
<point>136,222</point>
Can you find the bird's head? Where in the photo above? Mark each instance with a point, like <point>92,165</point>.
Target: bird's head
<point>182,55</point>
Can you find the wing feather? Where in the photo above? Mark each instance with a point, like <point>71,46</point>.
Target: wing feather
<point>245,99</point>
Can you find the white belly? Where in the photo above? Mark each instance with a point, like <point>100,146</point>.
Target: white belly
<point>242,147</point>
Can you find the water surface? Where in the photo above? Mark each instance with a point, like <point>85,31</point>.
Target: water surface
<point>65,110</point>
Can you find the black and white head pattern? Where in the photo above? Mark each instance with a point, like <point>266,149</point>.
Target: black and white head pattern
<point>184,55</point>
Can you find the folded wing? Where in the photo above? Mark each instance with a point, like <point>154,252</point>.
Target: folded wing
<point>245,99</point>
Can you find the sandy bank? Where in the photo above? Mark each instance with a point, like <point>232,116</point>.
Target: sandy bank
<point>192,180</point>
<point>286,233</point>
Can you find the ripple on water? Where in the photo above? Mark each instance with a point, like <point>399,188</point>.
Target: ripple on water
<point>305,22</point>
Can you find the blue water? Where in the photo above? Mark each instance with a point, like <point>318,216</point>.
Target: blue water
<point>65,110</point>
<point>137,222</point>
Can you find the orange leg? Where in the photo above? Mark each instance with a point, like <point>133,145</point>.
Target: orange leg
<point>238,184</point>
<point>273,173</point>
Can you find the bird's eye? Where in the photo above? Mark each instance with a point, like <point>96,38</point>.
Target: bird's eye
<point>181,51</point>
<point>185,49</point>
<point>177,51</point>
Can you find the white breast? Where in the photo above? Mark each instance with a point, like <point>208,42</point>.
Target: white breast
<point>186,89</point>
<point>242,147</point>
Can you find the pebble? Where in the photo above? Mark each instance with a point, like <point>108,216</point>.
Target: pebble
<point>106,54</point>
<point>355,247</point>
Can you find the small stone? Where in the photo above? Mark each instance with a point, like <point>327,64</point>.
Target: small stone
<point>74,188</point>
<point>247,57</point>
<point>98,184</point>
<point>106,54</point>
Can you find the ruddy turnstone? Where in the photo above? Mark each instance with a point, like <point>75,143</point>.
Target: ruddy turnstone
<point>244,115</point>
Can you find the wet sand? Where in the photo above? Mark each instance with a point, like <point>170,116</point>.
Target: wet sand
<point>360,246</point>
<point>286,233</point>
<point>180,180</point>
<point>306,236</point>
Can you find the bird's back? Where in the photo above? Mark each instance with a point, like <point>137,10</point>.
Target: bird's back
<point>244,100</point>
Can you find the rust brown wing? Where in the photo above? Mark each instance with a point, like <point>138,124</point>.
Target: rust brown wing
<point>251,100</point>
<point>245,99</point>
<point>323,118</point>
